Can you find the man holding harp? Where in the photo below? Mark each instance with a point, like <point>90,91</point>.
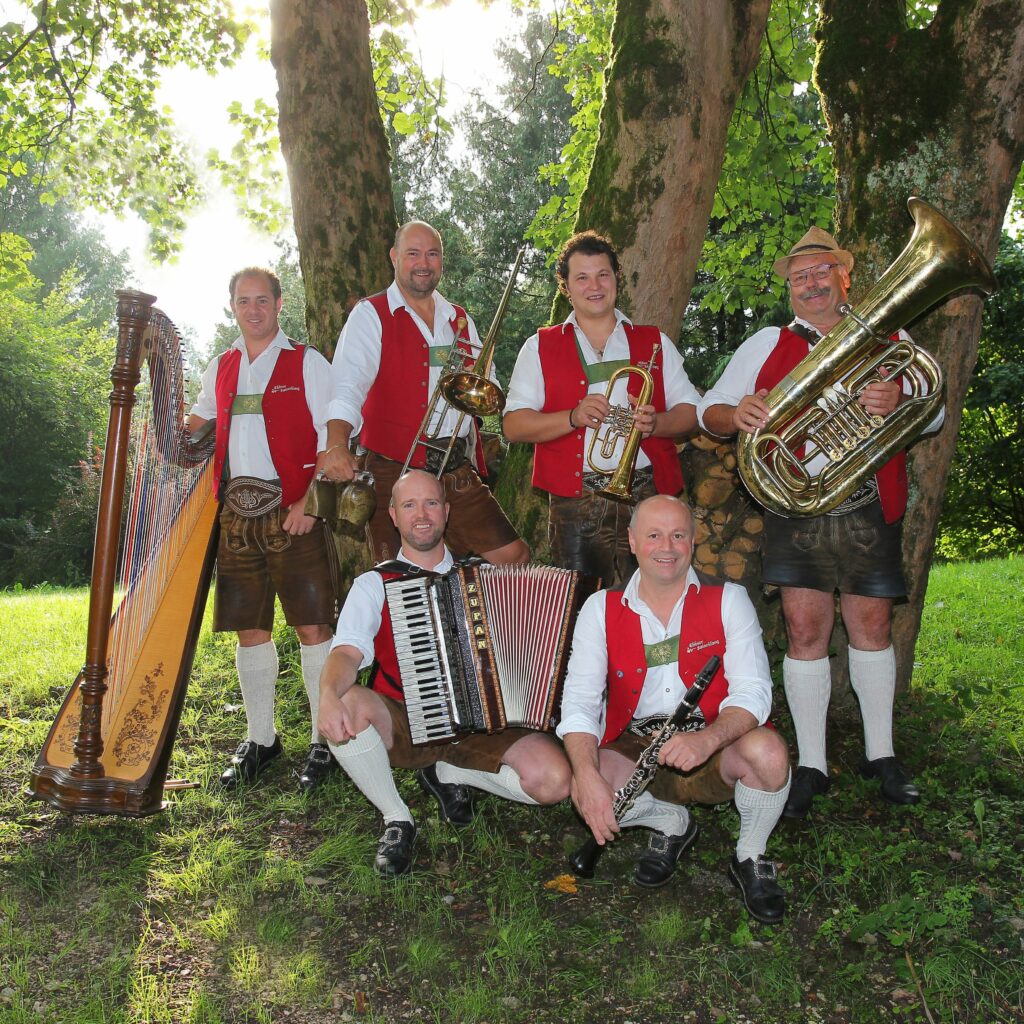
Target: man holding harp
<point>557,401</point>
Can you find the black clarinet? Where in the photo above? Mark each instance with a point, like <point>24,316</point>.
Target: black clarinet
<point>585,858</point>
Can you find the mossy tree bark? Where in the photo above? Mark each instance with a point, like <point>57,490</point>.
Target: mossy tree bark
<point>677,71</point>
<point>935,112</point>
<point>333,142</point>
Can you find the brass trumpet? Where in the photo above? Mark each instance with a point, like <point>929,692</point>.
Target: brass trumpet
<point>468,389</point>
<point>814,411</point>
<point>621,423</point>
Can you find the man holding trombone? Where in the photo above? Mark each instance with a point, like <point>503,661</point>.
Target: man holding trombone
<point>393,352</point>
<point>577,394</point>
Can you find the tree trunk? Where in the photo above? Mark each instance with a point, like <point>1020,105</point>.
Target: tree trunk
<point>935,112</point>
<point>677,71</point>
<point>333,142</point>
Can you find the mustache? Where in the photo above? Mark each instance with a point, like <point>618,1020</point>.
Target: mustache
<point>815,292</point>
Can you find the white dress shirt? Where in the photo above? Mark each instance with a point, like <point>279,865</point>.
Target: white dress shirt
<point>357,360</point>
<point>526,386</point>
<point>360,618</point>
<point>584,699</point>
<point>248,448</point>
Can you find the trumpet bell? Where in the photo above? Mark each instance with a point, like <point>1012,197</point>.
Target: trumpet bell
<point>472,393</point>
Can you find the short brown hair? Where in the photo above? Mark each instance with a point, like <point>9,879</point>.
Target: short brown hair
<point>589,243</point>
<point>272,278</point>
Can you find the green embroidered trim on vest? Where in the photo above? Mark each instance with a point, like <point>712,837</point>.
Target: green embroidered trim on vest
<point>247,405</point>
<point>599,373</point>
<point>665,652</point>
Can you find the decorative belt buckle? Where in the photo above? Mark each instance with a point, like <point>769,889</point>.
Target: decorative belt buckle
<point>250,497</point>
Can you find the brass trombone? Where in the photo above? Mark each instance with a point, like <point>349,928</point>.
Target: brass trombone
<point>621,423</point>
<point>468,389</point>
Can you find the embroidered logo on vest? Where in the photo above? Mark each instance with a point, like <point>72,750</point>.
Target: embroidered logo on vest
<point>700,645</point>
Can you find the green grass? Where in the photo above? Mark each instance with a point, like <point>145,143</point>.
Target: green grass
<point>264,906</point>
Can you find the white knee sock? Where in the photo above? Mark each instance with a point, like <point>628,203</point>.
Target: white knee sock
<point>808,687</point>
<point>648,812</point>
<point>873,678</point>
<point>313,659</point>
<point>759,813</point>
<point>257,675</point>
<point>504,782</point>
<point>365,760</point>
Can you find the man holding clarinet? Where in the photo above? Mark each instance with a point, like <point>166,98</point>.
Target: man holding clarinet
<point>636,652</point>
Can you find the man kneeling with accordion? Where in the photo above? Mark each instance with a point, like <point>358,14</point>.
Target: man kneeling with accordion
<point>389,724</point>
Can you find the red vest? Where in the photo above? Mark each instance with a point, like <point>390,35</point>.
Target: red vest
<point>789,350</point>
<point>559,465</point>
<point>398,398</point>
<point>289,425</point>
<point>702,635</point>
<point>387,679</point>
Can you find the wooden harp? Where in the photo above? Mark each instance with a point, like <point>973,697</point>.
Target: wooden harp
<point>109,748</point>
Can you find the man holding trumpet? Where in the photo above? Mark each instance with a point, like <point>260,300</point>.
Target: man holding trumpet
<point>559,399</point>
<point>390,358</point>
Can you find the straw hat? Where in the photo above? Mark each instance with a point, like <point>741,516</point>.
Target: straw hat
<point>814,241</point>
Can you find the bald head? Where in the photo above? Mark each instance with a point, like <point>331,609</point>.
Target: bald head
<point>420,225</point>
<point>661,538</point>
<point>663,503</point>
<point>419,481</point>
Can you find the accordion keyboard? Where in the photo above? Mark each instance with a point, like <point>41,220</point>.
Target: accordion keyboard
<point>426,675</point>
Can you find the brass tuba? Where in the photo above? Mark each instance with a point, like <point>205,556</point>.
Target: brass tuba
<point>814,411</point>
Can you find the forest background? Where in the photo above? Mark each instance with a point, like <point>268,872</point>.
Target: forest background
<point>91,136</point>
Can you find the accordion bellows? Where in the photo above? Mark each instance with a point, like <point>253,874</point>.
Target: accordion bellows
<point>483,647</point>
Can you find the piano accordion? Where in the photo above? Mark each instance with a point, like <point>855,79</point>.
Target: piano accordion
<point>483,647</point>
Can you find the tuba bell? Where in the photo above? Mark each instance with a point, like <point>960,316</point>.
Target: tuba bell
<point>814,412</point>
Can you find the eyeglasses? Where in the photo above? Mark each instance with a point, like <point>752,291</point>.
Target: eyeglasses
<point>818,273</point>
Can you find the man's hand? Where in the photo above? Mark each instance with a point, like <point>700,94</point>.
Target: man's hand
<point>752,412</point>
<point>334,720</point>
<point>592,797</point>
<point>645,418</point>
<point>337,464</point>
<point>297,522</point>
<point>881,397</point>
<point>687,750</point>
<point>591,411</point>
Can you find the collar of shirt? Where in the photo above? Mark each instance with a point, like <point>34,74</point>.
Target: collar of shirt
<point>444,565</point>
<point>631,599</point>
<point>280,341</point>
<point>809,326</point>
<point>617,334</point>
<point>442,307</point>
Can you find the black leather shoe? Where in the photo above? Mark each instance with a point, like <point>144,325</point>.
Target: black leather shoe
<point>762,895</point>
<point>806,785</point>
<point>319,765</point>
<point>394,853</point>
<point>248,762</point>
<point>654,867</point>
<point>453,801</point>
<point>893,781</point>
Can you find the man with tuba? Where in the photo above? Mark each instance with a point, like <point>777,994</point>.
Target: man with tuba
<point>390,358</point>
<point>558,400</point>
<point>854,549</point>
